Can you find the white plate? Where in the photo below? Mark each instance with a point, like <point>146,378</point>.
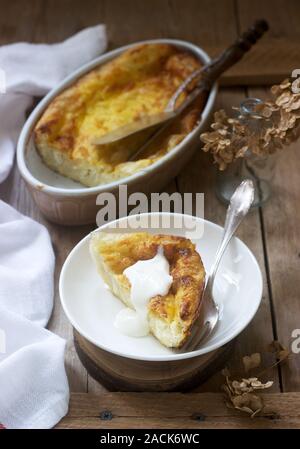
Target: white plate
<point>92,308</point>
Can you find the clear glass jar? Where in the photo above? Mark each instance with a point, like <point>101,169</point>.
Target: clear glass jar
<point>260,169</point>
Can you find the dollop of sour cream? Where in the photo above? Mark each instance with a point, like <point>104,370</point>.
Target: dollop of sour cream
<point>148,278</point>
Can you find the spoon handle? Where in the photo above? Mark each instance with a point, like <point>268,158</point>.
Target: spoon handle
<point>209,74</point>
<point>234,53</point>
<point>238,208</point>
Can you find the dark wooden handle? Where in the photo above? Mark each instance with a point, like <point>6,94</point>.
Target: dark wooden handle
<point>234,53</point>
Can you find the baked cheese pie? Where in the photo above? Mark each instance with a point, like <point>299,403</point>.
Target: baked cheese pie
<point>170,317</point>
<point>139,82</point>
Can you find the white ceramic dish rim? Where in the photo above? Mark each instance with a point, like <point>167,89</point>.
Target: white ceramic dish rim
<point>170,357</point>
<point>38,111</point>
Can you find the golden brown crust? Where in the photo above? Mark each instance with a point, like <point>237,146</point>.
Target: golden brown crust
<point>180,307</point>
<point>140,81</point>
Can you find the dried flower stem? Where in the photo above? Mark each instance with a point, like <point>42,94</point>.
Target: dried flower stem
<point>278,125</point>
<point>243,394</point>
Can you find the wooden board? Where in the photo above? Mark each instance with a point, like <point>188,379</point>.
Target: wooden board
<point>175,411</point>
<point>269,62</point>
<point>123,374</point>
<point>281,218</point>
<point>272,232</point>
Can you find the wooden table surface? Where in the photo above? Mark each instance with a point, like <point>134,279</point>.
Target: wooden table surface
<point>271,232</point>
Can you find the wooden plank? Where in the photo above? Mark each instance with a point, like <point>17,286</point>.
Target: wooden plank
<point>13,29</point>
<point>175,410</point>
<point>281,43</point>
<point>199,176</point>
<point>232,422</point>
<point>278,53</point>
<point>144,20</point>
<point>175,19</point>
<point>283,16</point>
<point>269,62</point>
<point>281,216</point>
<point>175,405</point>
<point>52,21</point>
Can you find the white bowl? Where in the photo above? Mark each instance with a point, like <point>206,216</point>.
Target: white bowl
<point>67,202</point>
<point>91,307</point>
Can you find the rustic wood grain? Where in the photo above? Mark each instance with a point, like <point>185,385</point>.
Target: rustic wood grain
<point>269,61</point>
<point>232,422</point>
<point>175,410</point>
<point>281,44</point>
<point>281,218</point>
<point>282,15</point>
<point>18,20</point>
<point>213,25</point>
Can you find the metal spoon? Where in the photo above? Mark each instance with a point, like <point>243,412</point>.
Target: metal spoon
<point>238,208</point>
<point>207,76</point>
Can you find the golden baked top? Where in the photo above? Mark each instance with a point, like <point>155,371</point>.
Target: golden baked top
<point>140,81</point>
<point>170,317</point>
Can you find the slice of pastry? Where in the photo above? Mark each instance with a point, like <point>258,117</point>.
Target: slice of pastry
<point>170,317</point>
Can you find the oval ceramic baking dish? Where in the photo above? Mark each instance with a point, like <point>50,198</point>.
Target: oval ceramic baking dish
<point>67,202</point>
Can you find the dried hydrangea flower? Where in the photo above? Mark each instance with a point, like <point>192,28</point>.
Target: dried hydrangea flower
<point>243,394</point>
<point>275,125</point>
<point>251,361</point>
<point>281,352</point>
<point>249,403</point>
<point>240,395</point>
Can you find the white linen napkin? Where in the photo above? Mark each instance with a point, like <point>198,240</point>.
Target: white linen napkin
<point>34,391</point>
<point>28,70</point>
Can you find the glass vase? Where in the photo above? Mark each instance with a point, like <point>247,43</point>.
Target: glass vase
<point>259,168</point>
